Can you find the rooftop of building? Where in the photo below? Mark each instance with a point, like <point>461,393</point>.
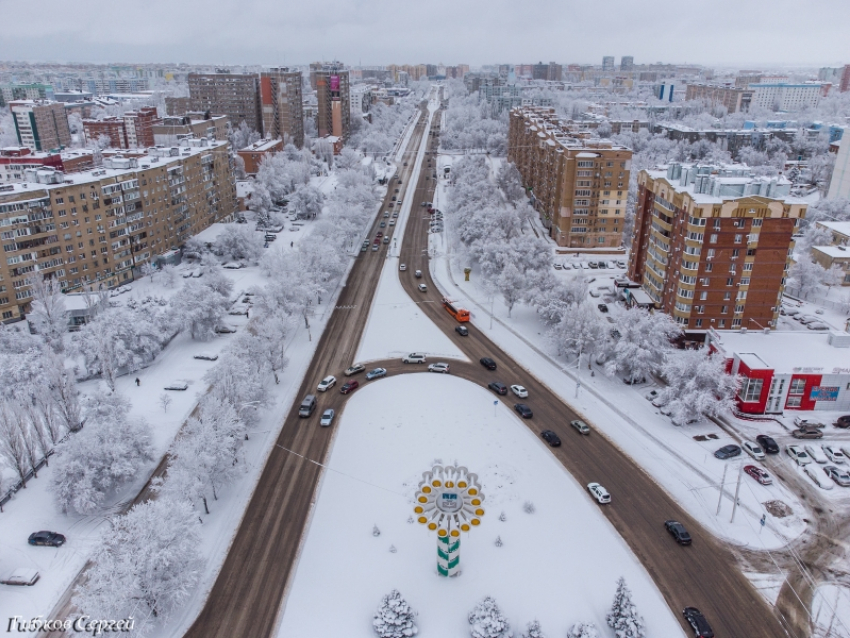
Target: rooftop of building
<point>560,131</point>
<point>262,146</point>
<point>835,252</point>
<point>842,228</point>
<point>785,352</point>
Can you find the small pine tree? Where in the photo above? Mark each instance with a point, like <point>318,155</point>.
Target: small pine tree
<point>624,618</point>
<point>503,517</point>
<point>376,531</point>
<point>394,618</point>
<point>487,621</point>
<point>528,507</point>
<point>393,550</point>
<point>499,541</point>
<point>533,630</point>
<point>584,630</point>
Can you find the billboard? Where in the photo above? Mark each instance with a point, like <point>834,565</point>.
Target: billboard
<point>334,83</point>
<point>824,393</point>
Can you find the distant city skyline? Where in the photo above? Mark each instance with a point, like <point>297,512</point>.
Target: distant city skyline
<point>381,32</point>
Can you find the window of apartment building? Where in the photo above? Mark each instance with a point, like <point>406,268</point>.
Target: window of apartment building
<point>62,213</point>
<point>705,281</point>
<point>732,268</point>
<point>745,281</point>
<point>59,200</point>
<point>757,223</point>
<point>730,281</point>
<point>581,164</point>
<point>617,212</point>
<point>716,224</point>
<point>606,193</point>
<point>721,323</point>
<point>736,252</point>
<point>738,238</point>
<point>751,252</point>
<point>727,296</point>
<point>709,267</point>
<point>698,323</point>
<point>703,295</point>
<point>724,310</point>
<point>712,239</point>
<point>609,164</point>
<point>798,386</point>
<point>750,390</point>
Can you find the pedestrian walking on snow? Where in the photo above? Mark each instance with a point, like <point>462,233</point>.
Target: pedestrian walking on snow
<point>138,383</point>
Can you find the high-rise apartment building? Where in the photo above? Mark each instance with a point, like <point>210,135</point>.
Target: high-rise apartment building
<point>236,95</point>
<point>627,63</point>
<point>41,125</point>
<point>138,127</point>
<point>735,98</point>
<point>781,96</point>
<point>281,98</point>
<point>34,91</point>
<point>109,127</point>
<point>839,184</point>
<point>608,63</point>
<point>177,105</point>
<point>712,244</point>
<point>334,107</point>
<point>92,229</point>
<point>579,185</point>
<point>844,86</point>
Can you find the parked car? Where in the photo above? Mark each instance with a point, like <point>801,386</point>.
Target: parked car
<point>837,474</point>
<point>377,373</point>
<point>22,576</point>
<point>519,391</point>
<point>816,453</point>
<point>326,384</point>
<point>599,493</point>
<point>697,622</point>
<point>177,386</point>
<point>807,432</point>
<point>678,532</point>
<point>728,452</point>
<point>488,363</point>
<point>498,388</point>
<point>821,479</point>
<point>414,357</point>
<point>48,539</point>
<point>834,454</point>
<point>463,331</point>
<point>753,450</point>
<point>524,411</point>
<point>327,418</point>
<point>843,421</point>
<point>439,367</point>
<point>551,438</point>
<point>798,454</point>
<point>357,367</point>
<point>767,444</point>
<point>758,474</point>
<point>581,426</point>
<point>206,356</point>
<point>349,386</point>
<point>651,395</point>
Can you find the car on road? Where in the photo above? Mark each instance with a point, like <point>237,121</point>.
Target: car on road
<point>326,384</point>
<point>387,214</point>
<point>48,539</point>
<point>678,532</point>
<point>839,475</point>
<point>414,357</point>
<point>821,479</point>
<point>758,474</point>
<point>581,426</point>
<point>807,432</point>
<point>422,288</point>
<point>753,450</point>
<point>439,367</point>
<point>463,331</point>
<point>417,274</point>
<point>834,454</point>
<point>327,418</point>
<point>402,267</point>
<point>488,363</point>
<point>349,386</point>
<point>357,367</point>
<point>498,388</point>
<point>798,454</point>
<point>379,235</point>
<point>519,391</point>
<point>377,373</point>
<point>728,452</point>
<point>602,307</point>
<point>698,623</point>
<point>376,245</point>
<point>551,438</point>
<point>767,444</point>
<point>524,411</point>
<point>599,493</point>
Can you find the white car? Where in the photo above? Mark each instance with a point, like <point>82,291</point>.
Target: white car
<point>753,450</point>
<point>414,357</point>
<point>521,392</point>
<point>402,267</point>
<point>599,493</point>
<point>327,418</point>
<point>422,288</point>
<point>326,384</point>
<point>439,367</point>
<point>357,367</point>
<point>798,454</point>
<point>651,395</point>
<point>817,454</point>
<point>819,477</point>
<point>834,454</point>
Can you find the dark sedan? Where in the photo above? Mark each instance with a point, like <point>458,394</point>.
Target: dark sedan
<point>767,444</point>
<point>728,452</point>
<point>498,388</point>
<point>50,539</point>
<point>678,532</point>
<point>524,411</point>
<point>488,363</point>
<point>551,438</point>
<point>463,331</point>
<point>698,623</point>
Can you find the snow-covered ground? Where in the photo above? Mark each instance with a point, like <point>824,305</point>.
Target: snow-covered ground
<point>559,564</point>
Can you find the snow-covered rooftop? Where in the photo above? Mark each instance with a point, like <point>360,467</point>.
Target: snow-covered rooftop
<point>724,182</point>
<point>785,352</point>
<point>842,228</point>
<point>833,251</point>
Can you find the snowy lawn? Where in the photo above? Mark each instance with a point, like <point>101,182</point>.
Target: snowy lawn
<point>542,570</point>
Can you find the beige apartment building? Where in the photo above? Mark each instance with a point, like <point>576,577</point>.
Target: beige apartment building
<point>735,98</point>
<point>281,98</point>
<point>334,103</point>
<point>236,95</point>
<point>579,184</point>
<point>90,230</point>
<point>41,125</point>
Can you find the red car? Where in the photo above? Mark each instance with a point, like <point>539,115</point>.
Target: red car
<point>349,387</point>
<point>758,474</point>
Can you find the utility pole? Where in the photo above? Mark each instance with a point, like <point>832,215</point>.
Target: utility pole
<point>737,489</point>
<point>722,483</point>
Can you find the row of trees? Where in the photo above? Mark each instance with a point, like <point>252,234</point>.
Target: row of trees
<point>472,125</point>
<point>395,618</point>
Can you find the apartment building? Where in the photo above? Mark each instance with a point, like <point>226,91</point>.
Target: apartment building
<point>177,105</point>
<point>281,98</point>
<point>712,244</point>
<point>254,155</point>
<point>236,95</point>
<point>138,127</point>
<point>334,103</point>
<point>844,85</point>
<point>109,127</point>
<point>40,124</point>
<point>578,183</point>
<point>786,97</point>
<point>15,160</point>
<point>736,99</point>
<point>171,130</point>
<point>34,91</point>
<point>90,230</point>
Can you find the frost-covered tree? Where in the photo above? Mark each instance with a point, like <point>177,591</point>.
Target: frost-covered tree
<point>814,236</point>
<point>306,202</point>
<point>348,159</point>
<point>624,618</point>
<point>100,459</point>
<point>63,393</point>
<point>643,342</point>
<point>272,332</point>
<point>200,310</point>
<point>241,382</point>
<point>584,630</point>
<point>533,630</point>
<point>512,284</point>
<point>394,618</point>
<point>47,316</point>
<point>697,385</point>
<point>580,331</point>
<point>13,446</point>
<point>242,136</point>
<point>238,242</point>
<point>806,275</point>
<point>148,564</point>
<point>486,621</point>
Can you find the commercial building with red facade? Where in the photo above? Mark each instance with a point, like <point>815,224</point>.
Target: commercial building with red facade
<point>792,370</point>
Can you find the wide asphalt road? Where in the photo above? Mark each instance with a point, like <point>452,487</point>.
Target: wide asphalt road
<point>247,595</point>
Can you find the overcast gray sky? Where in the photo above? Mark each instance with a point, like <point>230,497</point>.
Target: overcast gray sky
<point>718,32</point>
